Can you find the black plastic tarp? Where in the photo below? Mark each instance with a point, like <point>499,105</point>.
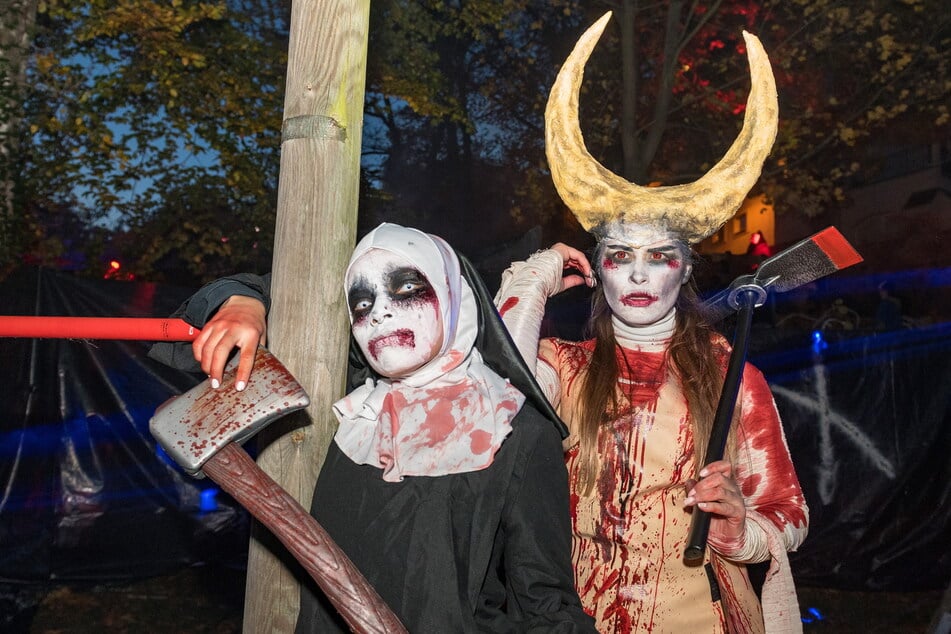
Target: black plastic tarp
<point>866,418</point>
<point>85,493</point>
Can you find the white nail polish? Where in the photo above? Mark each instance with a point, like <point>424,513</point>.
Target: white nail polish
<point>215,384</point>
<point>240,385</point>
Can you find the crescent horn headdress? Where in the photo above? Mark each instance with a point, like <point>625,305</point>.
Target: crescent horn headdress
<point>693,210</point>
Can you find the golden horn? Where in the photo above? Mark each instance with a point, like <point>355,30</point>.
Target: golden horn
<point>693,210</point>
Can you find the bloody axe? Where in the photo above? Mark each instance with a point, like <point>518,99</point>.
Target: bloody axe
<point>817,256</point>
<point>202,430</point>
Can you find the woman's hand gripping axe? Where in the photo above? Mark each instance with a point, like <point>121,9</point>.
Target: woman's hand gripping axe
<point>817,256</point>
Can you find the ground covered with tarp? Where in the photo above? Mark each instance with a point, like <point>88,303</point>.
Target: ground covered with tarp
<point>87,496</point>
<point>86,492</point>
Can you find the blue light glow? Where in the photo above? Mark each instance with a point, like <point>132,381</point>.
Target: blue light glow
<point>814,616</point>
<point>818,343</point>
<point>208,501</point>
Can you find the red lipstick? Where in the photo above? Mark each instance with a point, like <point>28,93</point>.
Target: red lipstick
<point>398,338</point>
<point>638,300</point>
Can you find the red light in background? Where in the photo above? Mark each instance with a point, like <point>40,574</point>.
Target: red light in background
<point>112,272</point>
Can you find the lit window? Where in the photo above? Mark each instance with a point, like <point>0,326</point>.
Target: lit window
<point>739,224</point>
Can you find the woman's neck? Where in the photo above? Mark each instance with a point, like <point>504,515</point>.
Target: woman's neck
<point>651,338</point>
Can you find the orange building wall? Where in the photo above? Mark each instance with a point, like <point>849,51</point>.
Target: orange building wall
<point>756,214</point>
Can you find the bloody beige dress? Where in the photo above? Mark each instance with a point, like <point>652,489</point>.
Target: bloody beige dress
<point>629,535</point>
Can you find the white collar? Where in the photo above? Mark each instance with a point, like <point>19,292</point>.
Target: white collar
<point>651,338</point>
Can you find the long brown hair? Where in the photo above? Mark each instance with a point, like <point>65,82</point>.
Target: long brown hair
<point>692,356</point>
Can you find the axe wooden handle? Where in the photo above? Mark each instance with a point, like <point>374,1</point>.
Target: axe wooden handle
<point>356,600</point>
<point>126,328</point>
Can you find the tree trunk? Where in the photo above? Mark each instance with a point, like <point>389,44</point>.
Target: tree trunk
<point>16,29</point>
<point>316,228</point>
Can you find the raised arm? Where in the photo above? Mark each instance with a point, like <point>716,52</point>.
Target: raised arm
<point>239,323</point>
<point>526,287</point>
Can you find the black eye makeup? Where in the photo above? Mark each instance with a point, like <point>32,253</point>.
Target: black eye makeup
<point>619,254</point>
<point>407,283</point>
<point>360,299</point>
<point>658,255</point>
<point>402,285</point>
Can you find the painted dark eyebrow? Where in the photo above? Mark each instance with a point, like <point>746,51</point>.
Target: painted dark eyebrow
<point>625,247</point>
<point>405,273</point>
<point>359,287</point>
<point>406,270</point>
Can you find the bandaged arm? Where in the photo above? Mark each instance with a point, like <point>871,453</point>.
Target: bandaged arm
<point>526,287</point>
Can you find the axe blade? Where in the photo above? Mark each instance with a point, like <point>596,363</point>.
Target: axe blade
<point>193,426</point>
<point>818,255</point>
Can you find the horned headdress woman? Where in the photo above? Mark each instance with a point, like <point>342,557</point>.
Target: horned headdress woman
<point>640,394</point>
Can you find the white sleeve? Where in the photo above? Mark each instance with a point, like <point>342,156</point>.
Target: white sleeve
<point>547,378</point>
<point>756,540</point>
<point>526,287</point>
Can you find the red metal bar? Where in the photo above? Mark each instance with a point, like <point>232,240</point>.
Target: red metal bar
<point>128,328</point>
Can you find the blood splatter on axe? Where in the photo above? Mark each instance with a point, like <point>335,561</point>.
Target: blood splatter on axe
<point>202,430</point>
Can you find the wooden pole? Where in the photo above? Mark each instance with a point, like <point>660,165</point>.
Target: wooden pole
<point>315,233</point>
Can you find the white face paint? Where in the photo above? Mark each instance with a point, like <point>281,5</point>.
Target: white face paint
<point>642,269</point>
<point>395,314</point>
